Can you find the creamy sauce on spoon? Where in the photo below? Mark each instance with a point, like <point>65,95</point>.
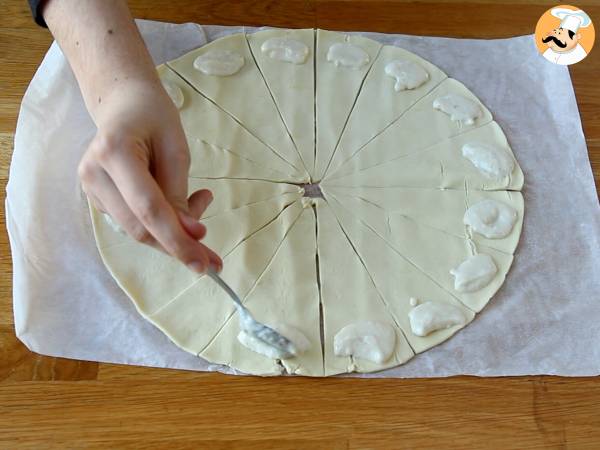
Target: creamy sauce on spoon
<point>252,342</point>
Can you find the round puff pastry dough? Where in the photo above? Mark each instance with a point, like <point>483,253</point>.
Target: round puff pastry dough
<point>383,240</point>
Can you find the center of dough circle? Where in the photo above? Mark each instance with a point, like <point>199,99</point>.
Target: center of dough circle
<point>312,190</point>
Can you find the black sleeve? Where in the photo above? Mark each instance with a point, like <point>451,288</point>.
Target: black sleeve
<point>36,11</point>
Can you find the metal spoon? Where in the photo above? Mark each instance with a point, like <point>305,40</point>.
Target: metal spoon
<point>262,332</point>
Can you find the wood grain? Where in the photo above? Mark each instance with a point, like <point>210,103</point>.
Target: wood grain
<point>57,403</point>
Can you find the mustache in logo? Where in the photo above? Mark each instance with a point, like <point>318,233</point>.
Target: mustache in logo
<point>556,41</point>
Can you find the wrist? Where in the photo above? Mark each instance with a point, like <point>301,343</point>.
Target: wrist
<point>109,98</point>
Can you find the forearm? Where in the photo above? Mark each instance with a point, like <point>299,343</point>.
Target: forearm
<point>103,46</point>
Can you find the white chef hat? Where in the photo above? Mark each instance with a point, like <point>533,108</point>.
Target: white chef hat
<point>571,20</point>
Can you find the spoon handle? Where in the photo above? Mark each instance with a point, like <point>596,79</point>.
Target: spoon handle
<point>215,276</point>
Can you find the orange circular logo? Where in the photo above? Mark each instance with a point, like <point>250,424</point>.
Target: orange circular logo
<point>564,35</point>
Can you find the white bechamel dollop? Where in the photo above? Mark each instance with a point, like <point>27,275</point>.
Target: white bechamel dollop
<point>219,62</point>
<point>285,49</point>
<point>369,340</point>
<point>114,225</point>
<point>250,341</point>
<point>460,109</point>
<point>432,316</point>
<point>474,273</point>
<point>408,74</point>
<point>347,55</point>
<point>491,218</point>
<point>174,92</point>
<point>492,161</point>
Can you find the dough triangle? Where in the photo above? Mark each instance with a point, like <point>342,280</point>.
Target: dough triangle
<point>292,87</point>
<point>433,252</point>
<point>231,194</point>
<point>337,89</point>
<point>418,128</point>
<point>378,104</point>
<point>233,226</point>
<point>211,161</point>
<point>442,210</point>
<point>439,166</point>
<point>398,281</point>
<point>194,317</point>
<point>234,94</point>
<point>203,121</point>
<point>160,278</point>
<point>273,300</point>
<point>348,295</point>
<point>152,284</point>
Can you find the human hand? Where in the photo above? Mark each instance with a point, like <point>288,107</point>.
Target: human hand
<point>136,168</point>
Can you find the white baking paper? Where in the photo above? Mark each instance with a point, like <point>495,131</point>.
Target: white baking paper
<point>544,320</point>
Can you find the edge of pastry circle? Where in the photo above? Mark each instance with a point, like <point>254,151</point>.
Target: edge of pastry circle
<point>95,216</point>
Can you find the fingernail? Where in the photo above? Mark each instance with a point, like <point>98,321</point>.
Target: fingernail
<point>197,267</point>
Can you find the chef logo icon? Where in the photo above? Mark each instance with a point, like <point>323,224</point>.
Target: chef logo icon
<point>564,35</point>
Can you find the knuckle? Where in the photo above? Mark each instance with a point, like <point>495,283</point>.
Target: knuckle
<point>85,171</point>
<point>103,152</point>
<point>140,234</point>
<point>179,249</point>
<point>106,145</point>
<point>148,210</point>
<point>182,157</point>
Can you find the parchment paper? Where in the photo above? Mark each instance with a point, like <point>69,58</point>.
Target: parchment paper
<point>544,320</point>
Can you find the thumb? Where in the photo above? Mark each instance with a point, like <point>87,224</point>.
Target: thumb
<point>194,228</point>
<point>198,202</point>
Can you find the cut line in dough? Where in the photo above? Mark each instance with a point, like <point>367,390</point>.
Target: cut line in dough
<point>384,147</point>
<point>422,251</point>
<point>291,87</point>
<point>217,127</point>
<point>262,117</point>
<point>441,210</point>
<point>373,111</point>
<point>337,89</point>
<point>418,169</point>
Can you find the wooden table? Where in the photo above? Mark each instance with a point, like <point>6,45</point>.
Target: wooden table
<point>52,402</point>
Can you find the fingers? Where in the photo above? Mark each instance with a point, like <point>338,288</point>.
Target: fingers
<point>115,175</point>
<point>126,163</point>
<point>106,197</point>
<point>192,226</point>
<point>198,231</point>
<point>214,260</point>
